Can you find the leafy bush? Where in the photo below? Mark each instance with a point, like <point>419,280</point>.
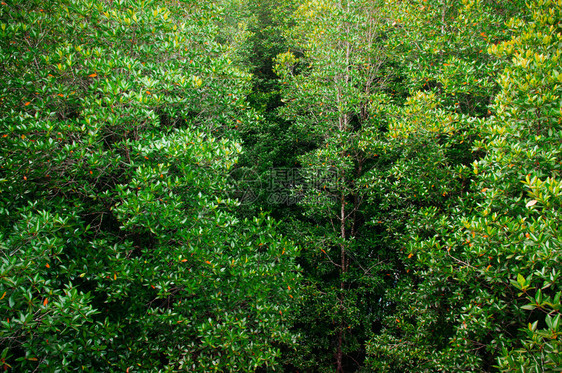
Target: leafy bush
<point>119,246</point>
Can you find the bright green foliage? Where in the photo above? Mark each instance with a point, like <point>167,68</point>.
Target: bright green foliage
<point>119,246</point>
<point>442,81</point>
<point>520,180</point>
<point>468,231</point>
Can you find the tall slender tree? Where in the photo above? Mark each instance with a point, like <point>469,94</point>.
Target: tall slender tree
<point>333,80</point>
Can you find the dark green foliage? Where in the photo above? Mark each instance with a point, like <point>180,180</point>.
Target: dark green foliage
<point>331,91</point>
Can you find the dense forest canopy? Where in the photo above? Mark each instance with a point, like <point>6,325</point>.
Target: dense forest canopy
<point>298,186</point>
